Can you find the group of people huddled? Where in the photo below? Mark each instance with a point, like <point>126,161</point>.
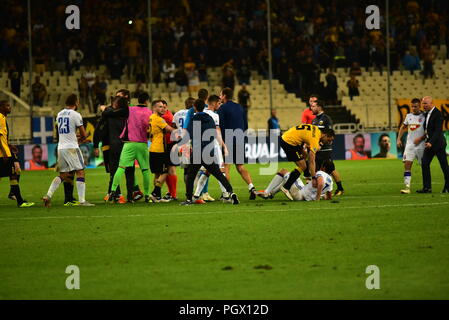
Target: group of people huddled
<point>205,138</point>
<point>123,132</point>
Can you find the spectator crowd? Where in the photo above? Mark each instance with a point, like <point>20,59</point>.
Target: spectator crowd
<point>190,35</point>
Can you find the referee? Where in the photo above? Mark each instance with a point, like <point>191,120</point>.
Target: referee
<point>323,121</point>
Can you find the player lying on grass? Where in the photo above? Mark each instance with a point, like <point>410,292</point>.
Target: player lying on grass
<point>314,190</point>
<point>293,142</point>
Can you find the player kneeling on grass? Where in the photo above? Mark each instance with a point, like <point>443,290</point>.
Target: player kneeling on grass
<point>314,190</point>
<point>69,154</point>
<point>202,131</point>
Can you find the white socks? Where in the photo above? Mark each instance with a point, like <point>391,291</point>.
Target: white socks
<point>81,188</point>
<point>275,184</point>
<point>407,178</point>
<point>54,186</point>
<point>202,180</point>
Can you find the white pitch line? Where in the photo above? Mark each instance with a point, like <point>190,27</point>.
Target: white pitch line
<point>215,212</point>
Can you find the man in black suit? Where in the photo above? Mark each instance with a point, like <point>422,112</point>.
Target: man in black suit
<point>435,146</point>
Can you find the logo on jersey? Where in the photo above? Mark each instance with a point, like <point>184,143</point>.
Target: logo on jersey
<point>414,127</point>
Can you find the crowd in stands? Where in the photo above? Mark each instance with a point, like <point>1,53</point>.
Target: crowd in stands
<point>190,35</point>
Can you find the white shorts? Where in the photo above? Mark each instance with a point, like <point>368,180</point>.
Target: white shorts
<point>70,160</point>
<point>413,152</point>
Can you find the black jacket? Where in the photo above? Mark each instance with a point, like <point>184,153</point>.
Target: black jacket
<point>206,122</point>
<point>434,130</point>
<point>110,126</point>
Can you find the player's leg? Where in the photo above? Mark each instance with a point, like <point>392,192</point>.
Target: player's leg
<point>172,178</point>
<point>247,178</point>
<point>202,180</point>
<point>227,168</point>
<point>172,182</point>
<point>294,175</point>
<point>192,170</point>
<point>230,196</point>
<point>143,160</point>
<point>126,160</point>
<point>132,186</point>
<point>294,154</point>
<point>158,167</point>
<point>337,177</point>
<point>407,176</point>
<point>113,167</point>
<point>81,186</point>
<point>67,158</point>
<point>14,178</point>
<point>275,184</point>
<point>69,186</point>
<point>53,187</point>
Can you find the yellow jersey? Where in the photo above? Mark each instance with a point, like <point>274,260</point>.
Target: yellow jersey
<point>156,130</point>
<point>304,134</point>
<point>4,137</point>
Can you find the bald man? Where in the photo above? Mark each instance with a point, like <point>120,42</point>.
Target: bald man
<point>435,145</point>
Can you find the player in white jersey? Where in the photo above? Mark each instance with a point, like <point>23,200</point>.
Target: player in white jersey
<point>70,158</point>
<point>414,147</point>
<point>212,107</point>
<point>314,190</point>
<point>179,119</point>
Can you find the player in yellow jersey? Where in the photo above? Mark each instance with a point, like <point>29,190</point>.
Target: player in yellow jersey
<point>158,155</point>
<point>9,163</point>
<point>294,141</point>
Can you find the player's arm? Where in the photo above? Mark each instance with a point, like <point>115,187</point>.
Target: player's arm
<point>328,195</point>
<point>168,129</point>
<point>400,134</point>
<point>319,187</point>
<point>311,163</point>
<point>5,157</point>
<point>82,134</point>
<point>419,140</point>
<point>220,141</point>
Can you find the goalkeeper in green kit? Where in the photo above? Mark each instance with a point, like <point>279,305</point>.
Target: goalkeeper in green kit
<point>135,138</point>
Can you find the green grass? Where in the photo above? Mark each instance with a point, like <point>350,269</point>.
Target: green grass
<point>314,250</point>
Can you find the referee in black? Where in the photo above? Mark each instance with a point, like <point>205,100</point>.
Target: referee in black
<point>323,121</point>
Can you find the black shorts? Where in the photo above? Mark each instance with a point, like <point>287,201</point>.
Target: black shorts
<point>322,156</point>
<point>7,169</point>
<point>158,162</point>
<point>169,148</point>
<point>294,153</point>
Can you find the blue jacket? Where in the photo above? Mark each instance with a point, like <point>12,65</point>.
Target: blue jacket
<point>232,116</point>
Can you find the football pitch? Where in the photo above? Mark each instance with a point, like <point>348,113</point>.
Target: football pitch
<point>262,249</point>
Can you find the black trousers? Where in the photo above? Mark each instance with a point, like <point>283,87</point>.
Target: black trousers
<point>425,166</point>
<point>213,169</point>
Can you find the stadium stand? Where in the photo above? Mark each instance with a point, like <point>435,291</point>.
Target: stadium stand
<point>307,41</point>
